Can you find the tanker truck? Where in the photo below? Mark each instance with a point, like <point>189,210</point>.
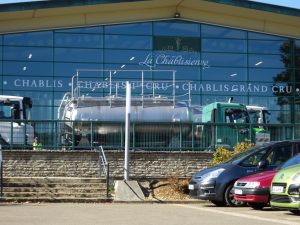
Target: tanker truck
<point>170,125</point>
<point>158,121</point>
<point>158,116</point>
<point>14,131</point>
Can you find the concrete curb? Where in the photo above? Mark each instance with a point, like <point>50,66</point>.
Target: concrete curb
<point>163,202</point>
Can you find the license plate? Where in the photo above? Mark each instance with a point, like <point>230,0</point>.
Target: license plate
<point>191,187</point>
<point>238,191</point>
<point>277,189</point>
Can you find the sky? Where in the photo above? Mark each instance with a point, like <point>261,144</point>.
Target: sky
<point>287,3</point>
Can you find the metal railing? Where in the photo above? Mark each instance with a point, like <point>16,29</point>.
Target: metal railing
<point>104,166</point>
<point>176,136</point>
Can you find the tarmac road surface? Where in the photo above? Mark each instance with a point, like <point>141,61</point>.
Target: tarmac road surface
<point>139,214</point>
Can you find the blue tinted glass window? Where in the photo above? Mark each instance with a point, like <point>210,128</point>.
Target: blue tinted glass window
<point>27,68</point>
<point>207,99</point>
<point>264,61</point>
<point>28,53</point>
<point>268,75</point>
<point>297,114</point>
<point>1,37</point>
<point>78,40</point>
<point>279,107</point>
<point>253,35</point>
<point>186,73</point>
<point>1,83</point>
<point>222,32</point>
<point>125,56</point>
<point>42,113</point>
<point>82,30</point>
<point>132,28</point>
<point>265,47</point>
<point>78,55</point>
<point>297,62</point>
<point>297,47</point>
<point>69,69</point>
<point>230,74</point>
<point>1,53</point>
<point>224,45</point>
<point>30,39</point>
<point>63,83</point>
<point>39,98</point>
<point>176,28</point>
<point>225,59</point>
<point>297,76</point>
<point>128,42</point>
<point>117,66</point>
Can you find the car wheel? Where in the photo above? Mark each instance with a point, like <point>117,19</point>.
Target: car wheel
<point>257,206</point>
<point>218,203</point>
<point>228,196</point>
<point>296,212</point>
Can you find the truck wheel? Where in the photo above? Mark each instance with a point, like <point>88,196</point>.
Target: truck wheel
<point>257,206</point>
<point>228,196</point>
<point>218,203</point>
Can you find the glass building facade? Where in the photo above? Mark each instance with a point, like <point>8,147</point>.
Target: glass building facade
<point>214,62</point>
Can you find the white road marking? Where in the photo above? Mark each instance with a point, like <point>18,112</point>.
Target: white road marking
<point>239,215</point>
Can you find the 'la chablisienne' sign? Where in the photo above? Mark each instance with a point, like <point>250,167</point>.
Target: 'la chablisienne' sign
<point>152,60</point>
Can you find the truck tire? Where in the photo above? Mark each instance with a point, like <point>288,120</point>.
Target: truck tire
<point>228,196</point>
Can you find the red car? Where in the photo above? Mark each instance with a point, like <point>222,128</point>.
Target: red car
<point>255,189</point>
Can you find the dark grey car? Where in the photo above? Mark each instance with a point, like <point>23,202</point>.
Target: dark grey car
<point>215,183</point>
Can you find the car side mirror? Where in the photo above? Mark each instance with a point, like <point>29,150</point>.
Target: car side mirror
<point>262,164</point>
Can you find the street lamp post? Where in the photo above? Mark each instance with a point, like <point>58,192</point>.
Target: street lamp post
<point>127,131</point>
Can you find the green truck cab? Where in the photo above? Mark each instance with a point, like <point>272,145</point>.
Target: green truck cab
<point>285,189</point>
<point>226,124</point>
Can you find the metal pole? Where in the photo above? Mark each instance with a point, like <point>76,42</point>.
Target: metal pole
<point>110,88</point>
<point>127,130</point>
<point>107,180</point>
<point>100,164</point>
<point>142,88</point>
<point>174,88</point>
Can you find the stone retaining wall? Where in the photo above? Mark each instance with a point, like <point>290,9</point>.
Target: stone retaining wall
<point>24,163</point>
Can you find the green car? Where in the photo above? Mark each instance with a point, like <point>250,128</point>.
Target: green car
<point>285,189</point>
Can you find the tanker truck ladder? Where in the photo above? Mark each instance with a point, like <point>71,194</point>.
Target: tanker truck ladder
<point>146,90</point>
<point>62,106</point>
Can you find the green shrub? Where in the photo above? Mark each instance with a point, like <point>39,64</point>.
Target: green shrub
<point>222,154</point>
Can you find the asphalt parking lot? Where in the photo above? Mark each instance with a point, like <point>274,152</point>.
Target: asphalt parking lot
<point>139,214</point>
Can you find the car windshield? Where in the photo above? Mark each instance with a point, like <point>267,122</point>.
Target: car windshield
<point>293,161</point>
<point>244,153</point>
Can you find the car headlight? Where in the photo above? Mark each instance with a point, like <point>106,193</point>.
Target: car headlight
<point>252,184</point>
<point>212,174</point>
<point>296,177</point>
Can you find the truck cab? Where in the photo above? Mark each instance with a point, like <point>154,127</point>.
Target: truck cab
<point>227,124</point>
<point>259,116</point>
<point>14,110</point>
